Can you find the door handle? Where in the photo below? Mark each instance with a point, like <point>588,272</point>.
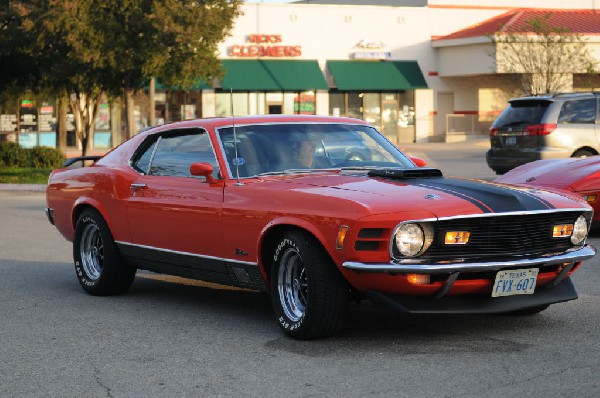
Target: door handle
<point>135,187</point>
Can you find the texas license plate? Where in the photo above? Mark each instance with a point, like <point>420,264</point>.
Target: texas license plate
<point>515,281</point>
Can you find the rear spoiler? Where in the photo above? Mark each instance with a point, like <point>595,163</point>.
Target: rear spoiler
<point>81,159</point>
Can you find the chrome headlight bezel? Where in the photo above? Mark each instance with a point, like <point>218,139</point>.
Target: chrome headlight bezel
<point>417,237</point>
<point>580,231</point>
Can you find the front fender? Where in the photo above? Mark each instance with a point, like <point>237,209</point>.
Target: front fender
<point>325,233</point>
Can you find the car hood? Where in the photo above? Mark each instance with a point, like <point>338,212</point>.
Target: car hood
<point>439,196</point>
<point>576,174</point>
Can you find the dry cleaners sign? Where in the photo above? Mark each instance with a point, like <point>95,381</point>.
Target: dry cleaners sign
<point>264,46</point>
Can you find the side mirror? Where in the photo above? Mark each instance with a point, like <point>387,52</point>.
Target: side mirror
<point>201,169</point>
<point>418,161</point>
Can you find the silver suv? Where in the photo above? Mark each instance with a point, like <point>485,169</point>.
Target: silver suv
<point>544,127</point>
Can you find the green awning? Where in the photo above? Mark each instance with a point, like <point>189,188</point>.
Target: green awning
<point>272,75</point>
<point>376,75</point>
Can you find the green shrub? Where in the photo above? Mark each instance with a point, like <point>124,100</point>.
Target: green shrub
<point>13,155</point>
<point>45,157</point>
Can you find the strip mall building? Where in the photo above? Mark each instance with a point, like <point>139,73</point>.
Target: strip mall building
<point>418,70</point>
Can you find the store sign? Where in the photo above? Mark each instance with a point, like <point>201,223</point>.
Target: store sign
<point>264,46</point>
<point>368,44</point>
<point>372,55</point>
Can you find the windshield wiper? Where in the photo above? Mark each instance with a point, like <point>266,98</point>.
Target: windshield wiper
<point>350,168</point>
<point>296,171</point>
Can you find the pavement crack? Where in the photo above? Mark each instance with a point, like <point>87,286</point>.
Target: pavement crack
<point>101,384</point>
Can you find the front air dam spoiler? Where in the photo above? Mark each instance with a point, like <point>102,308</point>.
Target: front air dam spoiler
<point>474,304</point>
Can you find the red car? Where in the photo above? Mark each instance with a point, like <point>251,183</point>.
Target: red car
<point>578,175</point>
<point>271,203</point>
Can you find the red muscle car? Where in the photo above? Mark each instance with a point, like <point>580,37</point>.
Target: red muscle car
<point>578,175</point>
<point>278,203</point>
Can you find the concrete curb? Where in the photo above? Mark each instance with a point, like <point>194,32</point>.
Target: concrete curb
<point>23,187</point>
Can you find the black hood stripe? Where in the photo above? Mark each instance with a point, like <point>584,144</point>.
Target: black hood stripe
<point>488,197</point>
<point>482,206</point>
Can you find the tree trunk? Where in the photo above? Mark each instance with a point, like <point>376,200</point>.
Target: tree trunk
<point>61,125</point>
<point>85,108</point>
<point>130,113</point>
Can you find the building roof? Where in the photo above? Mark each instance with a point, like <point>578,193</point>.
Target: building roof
<point>389,3</point>
<point>583,22</point>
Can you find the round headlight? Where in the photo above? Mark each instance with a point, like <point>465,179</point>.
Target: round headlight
<point>580,230</point>
<point>410,239</point>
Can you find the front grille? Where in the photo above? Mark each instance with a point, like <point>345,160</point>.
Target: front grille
<point>511,235</point>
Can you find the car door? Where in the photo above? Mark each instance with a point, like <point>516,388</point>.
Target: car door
<point>169,210</point>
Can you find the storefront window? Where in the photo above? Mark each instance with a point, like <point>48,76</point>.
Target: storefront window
<point>392,113</point>
<point>305,103</point>
<point>354,106</point>
<point>181,105</point>
<point>253,103</point>
<point>71,134</point>
<point>337,104</point>
<point>372,108</point>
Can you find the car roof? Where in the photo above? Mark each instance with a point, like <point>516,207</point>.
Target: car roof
<point>217,122</point>
<point>554,97</point>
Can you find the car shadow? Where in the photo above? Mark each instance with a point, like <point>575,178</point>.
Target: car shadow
<point>367,327</point>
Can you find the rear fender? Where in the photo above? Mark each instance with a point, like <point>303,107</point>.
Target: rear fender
<point>85,201</point>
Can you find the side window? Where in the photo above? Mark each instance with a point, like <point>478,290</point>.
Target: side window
<point>142,161</point>
<point>176,152</point>
<point>581,111</point>
<point>171,154</point>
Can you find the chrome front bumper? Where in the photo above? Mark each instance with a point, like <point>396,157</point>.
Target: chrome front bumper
<point>415,266</point>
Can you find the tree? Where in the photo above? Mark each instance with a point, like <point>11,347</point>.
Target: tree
<point>544,56</point>
<point>84,49</point>
<point>175,40</point>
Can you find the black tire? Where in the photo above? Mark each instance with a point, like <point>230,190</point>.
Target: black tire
<point>582,153</point>
<point>309,294</point>
<point>98,265</point>
<point>530,311</point>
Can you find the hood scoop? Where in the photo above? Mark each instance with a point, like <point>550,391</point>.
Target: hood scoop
<point>398,173</point>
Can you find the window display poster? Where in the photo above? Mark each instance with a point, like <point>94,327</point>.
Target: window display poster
<point>8,123</point>
<point>29,121</point>
<point>103,118</point>
<point>47,121</point>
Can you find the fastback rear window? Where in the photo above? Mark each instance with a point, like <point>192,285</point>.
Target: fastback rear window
<point>522,112</point>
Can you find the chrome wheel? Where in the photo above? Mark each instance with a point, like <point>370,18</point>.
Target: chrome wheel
<point>292,285</point>
<point>92,251</point>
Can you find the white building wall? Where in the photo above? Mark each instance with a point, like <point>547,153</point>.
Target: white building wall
<point>332,32</point>
<point>475,59</point>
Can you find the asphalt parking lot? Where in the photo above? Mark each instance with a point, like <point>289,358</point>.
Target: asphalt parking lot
<point>174,337</point>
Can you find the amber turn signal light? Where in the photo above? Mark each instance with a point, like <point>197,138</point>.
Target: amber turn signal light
<point>341,237</point>
<point>457,237</point>
<point>419,279</point>
<point>562,231</point>
<point>590,198</point>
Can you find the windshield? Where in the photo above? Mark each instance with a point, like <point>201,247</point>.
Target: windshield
<point>294,147</point>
